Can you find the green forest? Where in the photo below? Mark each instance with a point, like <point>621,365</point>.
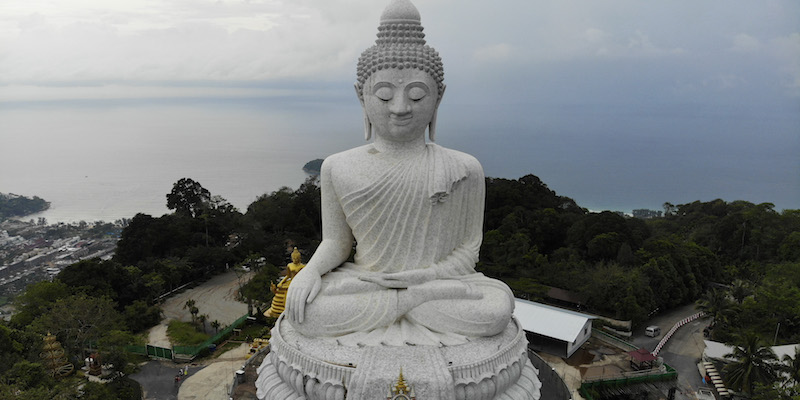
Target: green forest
<point>740,262</point>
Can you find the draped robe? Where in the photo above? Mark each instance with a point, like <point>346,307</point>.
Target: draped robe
<point>423,212</point>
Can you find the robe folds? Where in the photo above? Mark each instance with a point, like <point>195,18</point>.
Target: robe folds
<point>425,212</point>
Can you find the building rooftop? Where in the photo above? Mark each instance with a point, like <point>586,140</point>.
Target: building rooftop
<point>718,350</point>
<point>550,321</point>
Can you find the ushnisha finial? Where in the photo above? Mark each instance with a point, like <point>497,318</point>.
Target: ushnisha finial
<point>400,11</point>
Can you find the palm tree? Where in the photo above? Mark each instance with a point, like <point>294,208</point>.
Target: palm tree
<point>754,362</point>
<point>740,290</point>
<point>194,312</point>
<point>190,304</point>
<point>215,324</point>
<point>791,365</point>
<point>202,320</point>
<point>715,304</point>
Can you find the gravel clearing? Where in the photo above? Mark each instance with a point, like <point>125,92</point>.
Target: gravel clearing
<point>215,298</point>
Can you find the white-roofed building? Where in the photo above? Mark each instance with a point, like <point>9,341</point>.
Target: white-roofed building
<point>718,351</point>
<point>551,329</point>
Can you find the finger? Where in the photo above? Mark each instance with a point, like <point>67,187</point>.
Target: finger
<point>301,309</point>
<point>394,284</point>
<point>374,279</point>
<point>314,291</point>
<point>290,306</point>
<point>294,306</point>
<point>386,282</point>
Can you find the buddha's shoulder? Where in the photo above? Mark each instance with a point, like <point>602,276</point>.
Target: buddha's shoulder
<point>467,160</point>
<point>347,158</point>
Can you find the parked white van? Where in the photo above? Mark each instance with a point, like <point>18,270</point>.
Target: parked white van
<point>652,331</point>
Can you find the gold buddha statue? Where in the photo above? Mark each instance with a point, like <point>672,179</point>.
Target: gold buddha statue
<point>280,290</point>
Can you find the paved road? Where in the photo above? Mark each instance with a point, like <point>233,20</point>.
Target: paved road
<point>682,352</point>
<point>158,379</point>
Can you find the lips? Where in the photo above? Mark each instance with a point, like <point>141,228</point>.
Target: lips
<point>400,120</point>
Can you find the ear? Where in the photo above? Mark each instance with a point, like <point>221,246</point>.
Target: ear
<point>432,125</point>
<point>359,94</point>
<point>367,124</point>
<point>439,100</point>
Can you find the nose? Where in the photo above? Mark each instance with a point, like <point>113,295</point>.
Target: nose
<point>400,105</point>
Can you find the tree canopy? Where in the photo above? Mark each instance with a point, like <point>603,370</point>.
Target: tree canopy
<point>188,197</point>
<point>739,259</point>
<point>17,206</point>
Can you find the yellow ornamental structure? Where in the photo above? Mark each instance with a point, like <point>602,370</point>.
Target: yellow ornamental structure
<point>280,290</point>
<point>53,357</point>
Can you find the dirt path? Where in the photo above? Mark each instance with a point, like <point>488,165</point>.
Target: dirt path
<point>214,381</point>
<point>158,336</point>
<point>215,298</point>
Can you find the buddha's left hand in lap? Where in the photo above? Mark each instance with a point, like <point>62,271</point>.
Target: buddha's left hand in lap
<point>403,279</point>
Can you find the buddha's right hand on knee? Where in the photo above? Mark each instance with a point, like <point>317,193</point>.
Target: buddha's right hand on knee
<point>303,289</point>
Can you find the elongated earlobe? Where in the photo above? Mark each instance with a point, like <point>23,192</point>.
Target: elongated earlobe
<point>367,127</point>
<point>432,127</point>
<point>367,124</point>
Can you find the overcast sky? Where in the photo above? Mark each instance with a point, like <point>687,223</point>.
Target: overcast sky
<point>687,59</point>
<point>685,49</point>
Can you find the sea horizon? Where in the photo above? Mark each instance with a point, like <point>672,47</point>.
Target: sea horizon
<point>111,159</point>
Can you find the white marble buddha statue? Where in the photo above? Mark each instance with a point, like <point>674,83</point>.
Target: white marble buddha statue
<point>413,209</point>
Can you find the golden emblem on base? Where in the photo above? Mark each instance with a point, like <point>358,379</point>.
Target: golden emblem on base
<point>401,390</point>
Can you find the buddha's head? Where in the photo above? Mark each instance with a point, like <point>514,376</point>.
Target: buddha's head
<point>296,257</point>
<point>400,78</point>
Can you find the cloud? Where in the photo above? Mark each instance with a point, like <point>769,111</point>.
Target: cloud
<point>24,93</point>
<point>745,43</point>
<point>495,53</point>
<point>640,44</point>
<point>786,50</point>
<point>179,40</point>
<point>670,47</point>
<point>725,81</point>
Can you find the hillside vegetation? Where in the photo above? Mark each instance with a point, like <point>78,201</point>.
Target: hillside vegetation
<point>12,205</point>
<point>740,260</point>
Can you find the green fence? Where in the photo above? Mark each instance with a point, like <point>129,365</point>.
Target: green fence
<point>194,350</point>
<point>159,352</point>
<point>613,340</point>
<point>148,350</point>
<point>588,389</point>
<point>137,350</point>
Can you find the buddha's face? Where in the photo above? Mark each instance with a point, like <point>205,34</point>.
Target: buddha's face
<point>400,103</point>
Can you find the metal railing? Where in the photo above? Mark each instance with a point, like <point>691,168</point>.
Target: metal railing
<point>161,352</point>
<point>195,350</point>
<point>589,387</point>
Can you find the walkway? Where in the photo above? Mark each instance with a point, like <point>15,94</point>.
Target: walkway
<point>209,379</point>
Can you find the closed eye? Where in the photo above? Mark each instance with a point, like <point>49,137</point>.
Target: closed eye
<point>416,93</point>
<point>384,93</point>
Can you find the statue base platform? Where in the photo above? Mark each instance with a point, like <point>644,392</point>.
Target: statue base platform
<point>488,368</point>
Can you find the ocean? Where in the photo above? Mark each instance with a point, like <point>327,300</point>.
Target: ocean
<point>110,159</point>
